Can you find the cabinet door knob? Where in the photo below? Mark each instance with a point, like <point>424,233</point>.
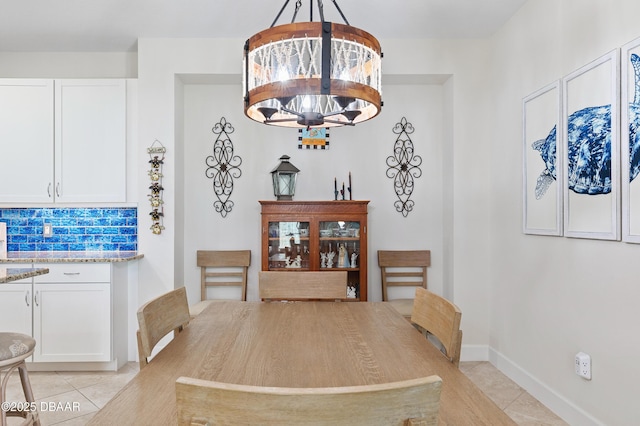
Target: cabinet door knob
<point>36,298</point>
<point>71,273</point>
<point>49,190</point>
<point>58,189</point>
<point>26,298</point>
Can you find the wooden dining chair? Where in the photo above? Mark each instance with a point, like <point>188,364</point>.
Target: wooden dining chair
<point>158,317</point>
<point>409,402</point>
<point>302,285</point>
<point>403,268</point>
<point>221,268</point>
<point>435,315</point>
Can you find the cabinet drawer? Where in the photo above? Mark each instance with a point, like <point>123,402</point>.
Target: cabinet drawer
<point>75,273</point>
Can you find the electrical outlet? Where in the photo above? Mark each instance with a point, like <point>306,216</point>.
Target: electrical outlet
<point>46,230</point>
<point>583,365</point>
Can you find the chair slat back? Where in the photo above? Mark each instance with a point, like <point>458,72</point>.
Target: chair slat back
<point>158,317</point>
<point>403,268</point>
<point>223,268</point>
<point>299,285</point>
<point>441,318</point>
<point>415,401</point>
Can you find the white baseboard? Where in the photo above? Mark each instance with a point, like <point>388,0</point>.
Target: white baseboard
<point>562,407</point>
<point>474,353</point>
<point>73,366</point>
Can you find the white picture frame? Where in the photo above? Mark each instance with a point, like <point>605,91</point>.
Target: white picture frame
<point>543,173</point>
<point>629,122</point>
<point>591,158</point>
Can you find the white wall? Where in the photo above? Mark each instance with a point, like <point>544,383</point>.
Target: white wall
<point>552,297</point>
<point>451,146</point>
<point>362,150</point>
<point>160,99</point>
<point>68,65</point>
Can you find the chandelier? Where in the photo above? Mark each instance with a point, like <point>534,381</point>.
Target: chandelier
<point>312,74</point>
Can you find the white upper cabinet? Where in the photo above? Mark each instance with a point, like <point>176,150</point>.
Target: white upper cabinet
<point>90,140</point>
<point>63,141</point>
<point>26,141</point>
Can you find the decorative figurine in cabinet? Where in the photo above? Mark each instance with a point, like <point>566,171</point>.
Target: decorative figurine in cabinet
<point>317,235</point>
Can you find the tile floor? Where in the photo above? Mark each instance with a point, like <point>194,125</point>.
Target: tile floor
<point>87,392</point>
<point>511,398</point>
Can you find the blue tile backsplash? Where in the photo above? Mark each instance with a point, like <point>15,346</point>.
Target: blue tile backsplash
<point>73,229</point>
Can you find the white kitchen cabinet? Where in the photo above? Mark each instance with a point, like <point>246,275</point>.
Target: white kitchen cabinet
<point>90,140</point>
<point>26,140</point>
<point>15,307</point>
<point>72,322</point>
<point>78,314</point>
<point>72,313</point>
<point>63,141</point>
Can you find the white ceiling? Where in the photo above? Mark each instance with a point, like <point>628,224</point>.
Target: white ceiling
<point>115,25</point>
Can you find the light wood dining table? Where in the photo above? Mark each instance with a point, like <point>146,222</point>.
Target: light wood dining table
<point>297,344</point>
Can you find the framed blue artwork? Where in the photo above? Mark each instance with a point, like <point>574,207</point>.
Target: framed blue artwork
<point>591,158</point>
<point>630,140</point>
<point>542,157</point>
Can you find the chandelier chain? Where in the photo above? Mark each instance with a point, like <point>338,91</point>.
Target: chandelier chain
<point>295,12</point>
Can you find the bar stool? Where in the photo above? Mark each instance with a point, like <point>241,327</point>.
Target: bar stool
<point>14,349</point>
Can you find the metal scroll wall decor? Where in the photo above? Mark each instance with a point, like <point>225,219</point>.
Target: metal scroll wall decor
<point>156,153</point>
<point>223,167</point>
<point>404,167</point>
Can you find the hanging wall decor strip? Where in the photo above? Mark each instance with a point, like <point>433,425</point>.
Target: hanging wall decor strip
<point>156,153</point>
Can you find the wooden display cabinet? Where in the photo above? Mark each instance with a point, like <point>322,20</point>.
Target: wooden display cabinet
<point>317,236</point>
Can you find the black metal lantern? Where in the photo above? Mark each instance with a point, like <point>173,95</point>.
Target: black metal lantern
<point>284,179</point>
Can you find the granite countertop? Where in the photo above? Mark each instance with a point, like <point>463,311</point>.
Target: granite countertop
<point>71,256</point>
<point>12,274</point>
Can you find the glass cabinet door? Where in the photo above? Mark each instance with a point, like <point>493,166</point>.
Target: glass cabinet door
<point>340,249</point>
<point>288,245</point>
